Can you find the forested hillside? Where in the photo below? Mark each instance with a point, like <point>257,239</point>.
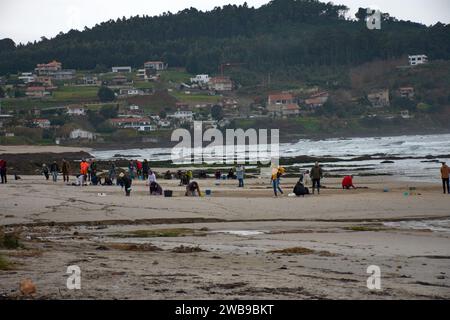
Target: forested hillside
<point>278,36</point>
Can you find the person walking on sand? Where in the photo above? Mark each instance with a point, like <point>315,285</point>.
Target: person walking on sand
<point>445,173</point>
<point>275,179</point>
<point>65,168</point>
<point>240,173</point>
<point>45,171</point>
<point>112,172</point>
<point>3,171</point>
<point>316,175</point>
<point>145,169</point>
<point>54,169</point>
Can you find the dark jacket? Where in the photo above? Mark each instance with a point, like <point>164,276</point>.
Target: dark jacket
<point>316,173</point>
<point>54,167</point>
<point>65,167</point>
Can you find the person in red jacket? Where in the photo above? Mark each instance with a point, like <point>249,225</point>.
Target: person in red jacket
<point>3,171</point>
<point>347,183</point>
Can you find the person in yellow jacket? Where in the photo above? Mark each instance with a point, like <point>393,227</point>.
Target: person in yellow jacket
<point>445,173</point>
<point>276,175</point>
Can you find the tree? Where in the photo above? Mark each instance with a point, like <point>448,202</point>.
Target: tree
<point>217,112</point>
<point>105,94</point>
<point>7,45</point>
<point>163,114</point>
<point>108,112</point>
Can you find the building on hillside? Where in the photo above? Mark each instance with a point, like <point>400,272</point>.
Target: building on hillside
<point>221,83</point>
<point>406,92</point>
<point>282,104</point>
<point>141,74</point>
<point>76,111</point>
<point>379,98</point>
<point>89,80</point>
<point>417,59</point>
<point>27,77</point>
<point>81,134</point>
<point>201,79</point>
<point>48,69</point>
<point>41,123</point>
<point>126,69</point>
<point>155,65</point>
<point>131,92</point>
<point>137,123</point>
<point>182,116</point>
<point>164,123</point>
<point>67,74</point>
<point>36,92</point>
<point>119,80</point>
<point>44,81</point>
<point>317,100</point>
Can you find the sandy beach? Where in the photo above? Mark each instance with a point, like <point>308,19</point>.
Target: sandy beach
<point>234,244</point>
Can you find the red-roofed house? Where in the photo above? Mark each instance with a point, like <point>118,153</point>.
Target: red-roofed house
<point>317,100</point>
<point>41,123</point>
<point>220,84</point>
<point>282,104</point>
<point>36,92</point>
<point>50,68</point>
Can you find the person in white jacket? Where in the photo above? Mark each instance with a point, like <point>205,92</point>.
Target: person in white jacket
<point>151,177</point>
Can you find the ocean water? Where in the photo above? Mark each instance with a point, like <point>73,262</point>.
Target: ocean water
<point>430,149</point>
<point>432,225</point>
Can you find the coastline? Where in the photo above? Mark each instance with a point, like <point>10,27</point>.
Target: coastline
<point>235,244</point>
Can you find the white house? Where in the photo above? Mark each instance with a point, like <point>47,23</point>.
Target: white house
<point>137,123</point>
<point>164,124</point>
<point>82,134</point>
<point>200,79</point>
<point>121,69</point>
<point>155,65</point>
<point>182,115</point>
<point>76,111</point>
<point>417,59</point>
<point>27,77</point>
<point>131,92</point>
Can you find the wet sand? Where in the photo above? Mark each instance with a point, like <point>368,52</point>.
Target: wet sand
<point>226,246</point>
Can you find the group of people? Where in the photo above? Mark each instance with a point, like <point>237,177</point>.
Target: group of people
<point>232,175</point>
<point>315,174</point>
<point>141,170</point>
<point>54,170</point>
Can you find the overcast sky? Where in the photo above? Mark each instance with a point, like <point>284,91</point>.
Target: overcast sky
<point>25,20</point>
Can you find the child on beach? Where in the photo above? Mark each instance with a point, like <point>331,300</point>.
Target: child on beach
<point>45,171</point>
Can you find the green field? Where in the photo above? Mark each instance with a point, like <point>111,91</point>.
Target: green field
<point>75,93</point>
<point>192,98</point>
<point>175,76</point>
